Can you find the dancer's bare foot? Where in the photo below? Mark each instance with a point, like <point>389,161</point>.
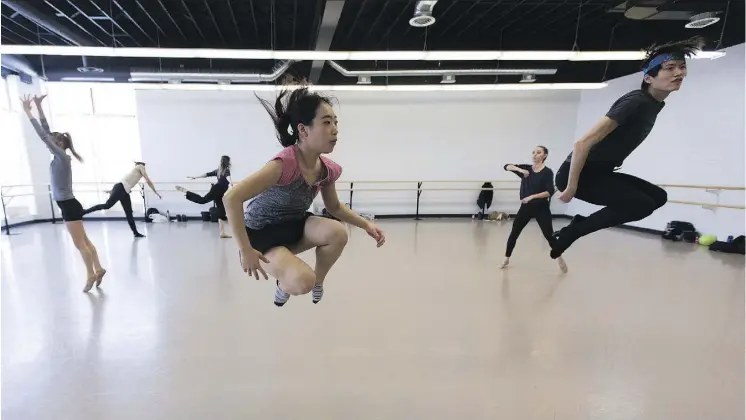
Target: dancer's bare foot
<point>505,263</point>
<point>562,264</point>
<point>89,283</point>
<point>179,188</point>
<point>100,277</point>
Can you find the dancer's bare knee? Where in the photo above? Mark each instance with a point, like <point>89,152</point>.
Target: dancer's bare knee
<point>298,282</point>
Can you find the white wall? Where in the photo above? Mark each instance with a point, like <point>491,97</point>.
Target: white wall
<point>383,137</point>
<point>698,139</point>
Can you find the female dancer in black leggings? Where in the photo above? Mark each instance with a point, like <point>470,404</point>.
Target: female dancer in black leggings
<point>216,193</point>
<point>589,171</point>
<point>536,190</point>
<point>121,193</point>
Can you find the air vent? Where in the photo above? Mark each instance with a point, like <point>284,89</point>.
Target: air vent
<point>702,20</point>
<point>85,68</point>
<point>528,78</point>
<point>89,69</point>
<point>423,14</point>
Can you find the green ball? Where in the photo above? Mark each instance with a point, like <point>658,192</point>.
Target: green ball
<point>707,240</point>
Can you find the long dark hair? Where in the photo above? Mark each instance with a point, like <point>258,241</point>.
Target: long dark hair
<point>67,143</point>
<point>683,49</point>
<point>294,105</point>
<point>225,164</point>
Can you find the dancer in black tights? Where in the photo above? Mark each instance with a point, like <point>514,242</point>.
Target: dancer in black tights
<point>121,193</point>
<point>537,187</point>
<point>216,193</point>
<point>589,173</point>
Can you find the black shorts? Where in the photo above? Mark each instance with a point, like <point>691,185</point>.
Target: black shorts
<point>71,209</point>
<point>284,234</point>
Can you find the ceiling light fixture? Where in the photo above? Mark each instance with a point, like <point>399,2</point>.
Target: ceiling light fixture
<point>239,54</point>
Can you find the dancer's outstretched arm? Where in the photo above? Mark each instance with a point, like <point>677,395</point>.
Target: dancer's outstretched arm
<point>40,126</point>
<point>150,183</point>
<point>205,175</point>
<point>336,209</point>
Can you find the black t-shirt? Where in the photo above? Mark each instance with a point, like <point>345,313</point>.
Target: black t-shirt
<point>635,113</point>
<point>222,180</point>
<point>535,182</point>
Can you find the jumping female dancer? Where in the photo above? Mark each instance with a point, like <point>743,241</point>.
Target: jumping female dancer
<point>216,193</point>
<point>589,174</point>
<point>121,193</point>
<point>61,180</point>
<point>277,224</point>
<point>536,190</point>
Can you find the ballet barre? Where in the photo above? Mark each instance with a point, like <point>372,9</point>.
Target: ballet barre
<point>6,196</point>
<point>697,203</point>
<point>702,187</point>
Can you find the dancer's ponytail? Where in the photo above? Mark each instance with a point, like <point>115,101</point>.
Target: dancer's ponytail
<point>294,105</point>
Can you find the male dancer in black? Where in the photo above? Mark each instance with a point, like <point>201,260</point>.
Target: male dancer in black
<point>589,174</point>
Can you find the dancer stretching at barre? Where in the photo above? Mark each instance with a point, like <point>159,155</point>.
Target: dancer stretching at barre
<point>536,191</point>
<point>121,193</point>
<point>216,193</point>
<point>277,224</point>
<point>589,174</point>
<point>61,180</point>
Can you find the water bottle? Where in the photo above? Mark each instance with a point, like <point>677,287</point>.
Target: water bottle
<point>730,239</point>
<point>168,215</point>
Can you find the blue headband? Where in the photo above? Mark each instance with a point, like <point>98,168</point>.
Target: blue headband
<point>660,59</point>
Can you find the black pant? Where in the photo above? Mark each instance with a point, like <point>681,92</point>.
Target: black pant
<point>538,209</point>
<point>626,199</point>
<point>216,193</point>
<point>118,193</point>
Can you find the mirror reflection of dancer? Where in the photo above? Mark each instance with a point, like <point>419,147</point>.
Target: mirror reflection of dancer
<point>121,193</point>
<point>277,223</point>
<point>61,180</point>
<point>216,193</point>
<point>537,187</point>
<point>589,172</point>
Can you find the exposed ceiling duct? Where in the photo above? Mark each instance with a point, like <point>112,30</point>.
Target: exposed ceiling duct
<point>423,13</point>
<point>18,64</point>
<point>448,74</point>
<point>25,9</point>
<point>663,10</point>
<point>205,77</point>
<point>329,21</point>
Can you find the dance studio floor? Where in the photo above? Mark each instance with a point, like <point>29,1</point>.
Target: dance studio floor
<point>426,327</point>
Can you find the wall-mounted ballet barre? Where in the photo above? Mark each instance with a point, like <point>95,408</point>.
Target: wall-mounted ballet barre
<point>703,187</point>
<point>5,198</point>
<point>708,205</point>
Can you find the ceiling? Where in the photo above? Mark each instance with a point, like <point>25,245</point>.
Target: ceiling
<point>359,25</point>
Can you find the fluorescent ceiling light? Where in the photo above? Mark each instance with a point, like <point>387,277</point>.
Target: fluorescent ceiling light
<point>236,54</point>
<point>370,88</point>
<point>88,79</point>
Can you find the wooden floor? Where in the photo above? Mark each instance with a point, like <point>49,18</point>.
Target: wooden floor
<point>426,327</point>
